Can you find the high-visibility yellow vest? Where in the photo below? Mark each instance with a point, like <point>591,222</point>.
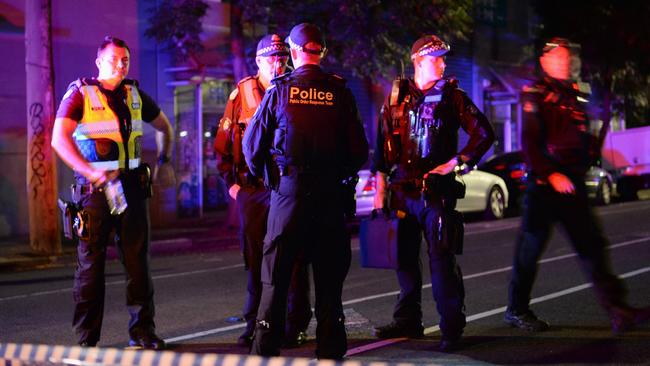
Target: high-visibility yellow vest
<point>98,134</point>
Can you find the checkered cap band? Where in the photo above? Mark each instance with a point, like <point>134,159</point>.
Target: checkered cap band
<point>435,47</point>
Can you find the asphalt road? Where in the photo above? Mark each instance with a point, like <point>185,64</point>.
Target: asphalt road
<point>197,294</point>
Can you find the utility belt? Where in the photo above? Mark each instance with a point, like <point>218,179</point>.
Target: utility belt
<point>435,188</point>
<point>248,179</point>
<point>286,170</point>
<point>137,183</point>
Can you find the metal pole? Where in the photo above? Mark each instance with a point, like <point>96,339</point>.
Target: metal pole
<point>199,139</point>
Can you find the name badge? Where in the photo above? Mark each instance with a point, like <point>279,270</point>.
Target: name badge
<point>433,98</point>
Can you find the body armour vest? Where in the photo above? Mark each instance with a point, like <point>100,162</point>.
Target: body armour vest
<point>416,130</point>
<point>311,120</point>
<point>98,136</point>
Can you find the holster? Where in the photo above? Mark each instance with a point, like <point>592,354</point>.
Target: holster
<point>68,214</point>
<point>349,196</point>
<point>272,175</point>
<point>143,173</point>
<point>450,231</point>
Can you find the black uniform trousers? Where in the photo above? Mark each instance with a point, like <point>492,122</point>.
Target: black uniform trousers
<point>542,207</point>
<point>306,218</point>
<point>253,204</point>
<point>422,217</point>
<point>131,232</point>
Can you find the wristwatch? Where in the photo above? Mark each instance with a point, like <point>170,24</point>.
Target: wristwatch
<point>459,161</point>
<point>162,159</point>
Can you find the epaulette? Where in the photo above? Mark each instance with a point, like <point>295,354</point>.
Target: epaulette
<point>451,82</point>
<point>246,79</point>
<point>337,78</point>
<point>233,94</point>
<point>281,78</point>
<point>131,82</point>
<point>84,81</point>
<point>532,89</point>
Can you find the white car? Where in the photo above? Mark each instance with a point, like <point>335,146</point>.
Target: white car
<point>485,192</point>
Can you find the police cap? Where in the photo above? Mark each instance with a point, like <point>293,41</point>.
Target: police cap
<point>555,42</point>
<point>272,45</point>
<point>304,33</point>
<point>429,45</point>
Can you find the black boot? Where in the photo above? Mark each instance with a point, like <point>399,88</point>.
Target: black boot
<point>624,317</point>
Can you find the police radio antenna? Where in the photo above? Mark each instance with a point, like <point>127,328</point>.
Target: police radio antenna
<point>401,63</point>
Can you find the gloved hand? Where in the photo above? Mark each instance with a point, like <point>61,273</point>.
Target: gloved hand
<point>380,198</point>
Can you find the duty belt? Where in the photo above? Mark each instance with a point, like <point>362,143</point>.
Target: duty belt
<point>291,169</point>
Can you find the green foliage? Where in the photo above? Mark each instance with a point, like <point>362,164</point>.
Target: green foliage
<point>368,37</point>
<point>177,24</point>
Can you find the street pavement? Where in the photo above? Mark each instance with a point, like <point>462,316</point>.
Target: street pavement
<point>200,288</point>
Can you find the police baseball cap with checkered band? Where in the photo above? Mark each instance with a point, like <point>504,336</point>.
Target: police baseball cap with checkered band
<point>429,45</point>
<point>303,34</point>
<point>272,45</point>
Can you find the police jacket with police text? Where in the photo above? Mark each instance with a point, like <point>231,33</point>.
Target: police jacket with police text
<point>308,119</point>
<point>555,131</point>
<point>446,108</point>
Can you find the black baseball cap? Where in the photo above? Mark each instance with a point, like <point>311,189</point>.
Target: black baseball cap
<point>304,33</point>
<point>429,45</point>
<point>272,45</point>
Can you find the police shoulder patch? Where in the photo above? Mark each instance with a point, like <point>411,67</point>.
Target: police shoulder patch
<point>226,123</point>
<point>233,94</point>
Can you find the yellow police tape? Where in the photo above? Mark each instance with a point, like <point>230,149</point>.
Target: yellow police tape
<point>12,354</point>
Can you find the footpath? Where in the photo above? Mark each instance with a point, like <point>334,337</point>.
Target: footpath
<point>211,232</point>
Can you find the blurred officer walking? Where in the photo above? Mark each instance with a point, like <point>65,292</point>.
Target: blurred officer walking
<point>559,150</point>
<point>305,139</point>
<point>252,197</point>
<point>417,153</point>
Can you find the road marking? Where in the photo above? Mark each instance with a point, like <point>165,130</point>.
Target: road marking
<point>434,328</point>
<point>488,313</point>
<point>121,282</point>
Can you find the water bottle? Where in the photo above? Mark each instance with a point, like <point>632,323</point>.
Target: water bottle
<point>115,196</point>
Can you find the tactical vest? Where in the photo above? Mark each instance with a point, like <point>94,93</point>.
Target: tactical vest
<point>98,134</point>
<point>414,125</point>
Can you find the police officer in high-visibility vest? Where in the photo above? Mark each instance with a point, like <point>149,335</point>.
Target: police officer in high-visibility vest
<point>98,133</point>
<point>252,197</point>
<point>416,154</point>
<point>306,138</point>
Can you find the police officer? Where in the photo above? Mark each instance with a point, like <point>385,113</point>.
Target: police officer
<point>252,197</point>
<point>305,138</point>
<point>417,153</point>
<point>559,149</point>
<point>97,132</point>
